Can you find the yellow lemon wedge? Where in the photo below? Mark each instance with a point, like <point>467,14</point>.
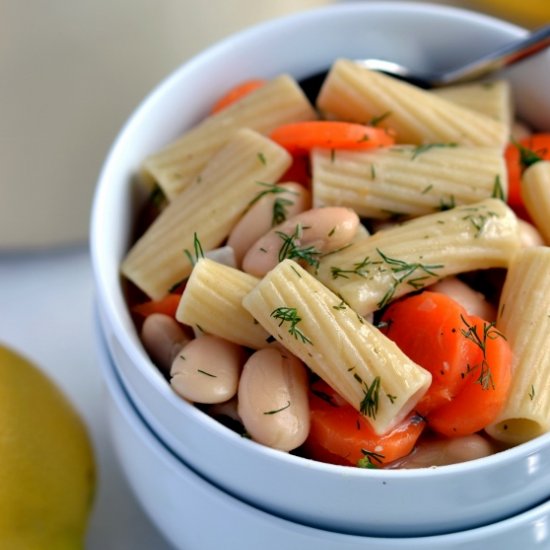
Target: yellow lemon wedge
<point>47,471</point>
<point>534,12</point>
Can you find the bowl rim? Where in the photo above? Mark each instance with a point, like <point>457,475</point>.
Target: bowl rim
<point>124,406</point>
<point>111,295</point>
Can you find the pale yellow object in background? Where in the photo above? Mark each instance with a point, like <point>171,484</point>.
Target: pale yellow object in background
<point>47,469</point>
<point>70,75</point>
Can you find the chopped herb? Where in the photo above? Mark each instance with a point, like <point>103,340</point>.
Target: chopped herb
<point>270,339</point>
<point>290,250</point>
<point>296,271</point>
<point>527,156</point>
<point>498,191</point>
<point>270,189</point>
<point>262,159</point>
<point>427,189</point>
<point>332,155</point>
<point>369,459</point>
<point>489,332</point>
<point>331,232</point>
<point>262,249</point>
<point>372,172</point>
<point>532,392</point>
<point>359,269</point>
<point>391,397</point>
<point>479,220</point>
<point>183,357</point>
<point>340,306</point>
<point>402,270</point>
<point>376,120</point>
<point>199,252</point>
<point>280,210</point>
<point>278,410</point>
<point>206,373</point>
<point>325,397</point>
<point>427,147</point>
<point>443,205</point>
<point>200,328</point>
<point>290,315</point>
<point>369,404</point>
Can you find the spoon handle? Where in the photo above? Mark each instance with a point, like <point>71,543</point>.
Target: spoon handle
<point>503,57</point>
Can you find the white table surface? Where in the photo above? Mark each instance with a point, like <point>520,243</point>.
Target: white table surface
<point>46,305</point>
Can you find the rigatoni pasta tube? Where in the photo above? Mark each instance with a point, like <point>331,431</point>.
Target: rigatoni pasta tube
<point>493,99</point>
<point>373,271</point>
<point>407,180</point>
<point>524,319</point>
<point>277,102</point>
<point>208,208</point>
<point>212,302</point>
<point>351,92</point>
<point>535,192</point>
<point>354,357</point>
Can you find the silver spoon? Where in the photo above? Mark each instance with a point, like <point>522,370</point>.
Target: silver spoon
<point>502,57</point>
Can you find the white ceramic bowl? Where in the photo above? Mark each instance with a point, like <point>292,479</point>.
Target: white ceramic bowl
<point>196,515</point>
<point>345,499</point>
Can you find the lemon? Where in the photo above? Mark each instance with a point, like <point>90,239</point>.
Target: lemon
<point>47,473</point>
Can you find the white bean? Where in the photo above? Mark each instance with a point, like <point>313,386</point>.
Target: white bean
<point>260,218</point>
<point>273,401</point>
<point>324,229</point>
<point>163,337</point>
<point>207,370</point>
<point>441,452</point>
<point>472,301</point>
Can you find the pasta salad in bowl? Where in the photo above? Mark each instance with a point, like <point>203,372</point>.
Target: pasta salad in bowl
<point>316,295</point>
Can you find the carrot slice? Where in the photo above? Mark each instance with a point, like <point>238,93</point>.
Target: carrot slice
<point>237,92</point>
<point>519,156</point>
<point>487,385</point>
<point>167,305</point>
<point>427,328</point>
<point>301,137</point>
<point>470,361</point>
<point>340,435</point>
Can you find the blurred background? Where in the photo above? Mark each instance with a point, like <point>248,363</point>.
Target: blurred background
<point>72,72</point>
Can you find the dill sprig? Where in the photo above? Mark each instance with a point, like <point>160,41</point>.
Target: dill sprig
<point>498,190</point>
<point>418,150</point>
<point>403,272</point>
<point>485,378</point>
<point>199,252</point>
<point>527,156</point>
<point>369,459</point>
<point>280,210</point>
<point>290,315</point>
<point>275,411</point>
<point>369,403</point>
<point>359,268</point>
<point>290,250</point>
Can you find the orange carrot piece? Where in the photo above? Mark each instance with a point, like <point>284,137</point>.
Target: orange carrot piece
<point>237,92</point>
<point>301,137</point>
<point>427,328</point>
<point>487,385</point>
<point>167,305</point>
<point>533,147</point>
<point>340,435</point>
<point>299,171</point>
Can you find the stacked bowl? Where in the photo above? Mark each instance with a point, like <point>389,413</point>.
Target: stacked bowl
<point>204,484</point>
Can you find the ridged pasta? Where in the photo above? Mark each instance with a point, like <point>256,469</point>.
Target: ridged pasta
<point>209,207</point>
<point>355,358</point>
<point>524,319</point>
<point>407,180</point>
<point>277,102</point>
<point>493,99</point>
<point>212,303</point>
<point>352,92</point>
<point>373,271</point>
<point>535,191</point>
